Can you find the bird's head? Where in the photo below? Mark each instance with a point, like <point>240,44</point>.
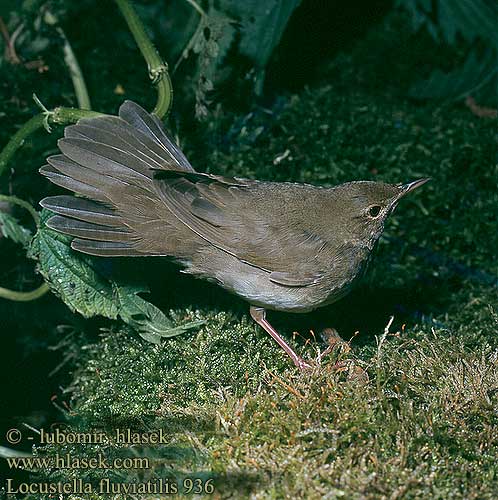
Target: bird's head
<point>367,204</point>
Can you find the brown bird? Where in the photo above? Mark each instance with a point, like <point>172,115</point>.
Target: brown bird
<point>279,245</point>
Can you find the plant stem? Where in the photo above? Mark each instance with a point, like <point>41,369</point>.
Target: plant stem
<point>158,69</point>
<point>23,204</point>
<point>190,44</point>
<point>196,6</point>
<point>17,140</point>
<point>59,116</point>
<point>24,296</point>
<point>65,116</point>
<point>5,293</point>
<point>380,343</point>
<point>71,61</point>
<point>79,85</point>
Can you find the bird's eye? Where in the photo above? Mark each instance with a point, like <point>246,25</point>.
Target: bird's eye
<point>374,211</point>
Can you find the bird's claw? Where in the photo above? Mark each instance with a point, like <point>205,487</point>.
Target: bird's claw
<point>303,365</point>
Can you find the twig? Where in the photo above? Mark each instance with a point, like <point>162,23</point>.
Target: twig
<point>10,41</point>
<point>9,452</point>
<point>480,111</point>
<point>158,69</point>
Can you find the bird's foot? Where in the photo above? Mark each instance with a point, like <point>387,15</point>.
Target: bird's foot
<point>304,366</point>
<point>333,341</point>
<point>351,369</point>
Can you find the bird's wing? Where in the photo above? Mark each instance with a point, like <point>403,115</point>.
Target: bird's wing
<point>223,211</point>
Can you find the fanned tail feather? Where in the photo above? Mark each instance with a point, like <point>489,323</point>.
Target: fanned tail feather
<point>109,161</point>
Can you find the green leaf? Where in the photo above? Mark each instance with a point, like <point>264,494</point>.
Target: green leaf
<point>145,317</point>
<point>471,18</point>
<point>445,18</point>
<point>477,76</point>
<point>263,24</point>
<point>71,276</point>
<point>10,228</point>
<point>256,26</point>
<point>75,278</point>
<point>262,27</point>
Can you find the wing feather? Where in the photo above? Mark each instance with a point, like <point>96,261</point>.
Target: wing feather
<point>224,212</point>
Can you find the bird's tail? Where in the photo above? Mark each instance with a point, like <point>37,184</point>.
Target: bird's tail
<point>109,162</point>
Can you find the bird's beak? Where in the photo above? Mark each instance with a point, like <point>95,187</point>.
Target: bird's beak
<point>410,186</point>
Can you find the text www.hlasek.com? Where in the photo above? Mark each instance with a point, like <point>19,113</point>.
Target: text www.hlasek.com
<point>70,462</point>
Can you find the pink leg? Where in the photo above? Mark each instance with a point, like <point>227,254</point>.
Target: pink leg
<point>258,314</point>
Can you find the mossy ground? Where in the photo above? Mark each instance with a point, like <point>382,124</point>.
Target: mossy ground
<point>424,424</point>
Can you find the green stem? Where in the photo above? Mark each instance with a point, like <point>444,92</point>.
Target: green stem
<point>197,7</point>
<point>190,44</point>
<point>65,116</point>
<point>71,61</point>
<point>24,296</point>
<point>17,140</point>
<point>23,204</point>
<point>76,74</point>
<point>59,116</point>
<point>158,69</point>
<point>5,293</point>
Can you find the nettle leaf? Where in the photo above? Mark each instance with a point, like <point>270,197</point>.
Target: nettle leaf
<point>75,278</point>
<point>145,317</point>
<point>211,42</point>
<point>263,24</point>
<point>445,18</point>
<point>255,28</point>
<point>71,276</point>
<point>471,18</point>
<point>10,228</point>
<point>478,76</point>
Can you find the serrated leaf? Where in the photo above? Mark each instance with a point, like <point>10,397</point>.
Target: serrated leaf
<point>145,317</point>
<point>71,276</point>
<point>263,24</point>
<point>471,18</point>
<point>445,18</point>
<point>477,76</point>
<point>10,228</point>
<point>76,279</point>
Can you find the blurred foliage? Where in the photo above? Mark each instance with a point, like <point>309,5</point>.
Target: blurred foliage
<point>452,21</point>
<point>212,34</point>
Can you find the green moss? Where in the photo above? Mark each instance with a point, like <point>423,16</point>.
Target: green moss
<point>127,379</point>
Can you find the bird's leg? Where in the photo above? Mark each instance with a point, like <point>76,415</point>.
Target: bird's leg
<point>258,314</point>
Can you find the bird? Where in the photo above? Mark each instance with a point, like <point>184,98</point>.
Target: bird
<point>280,246</point>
